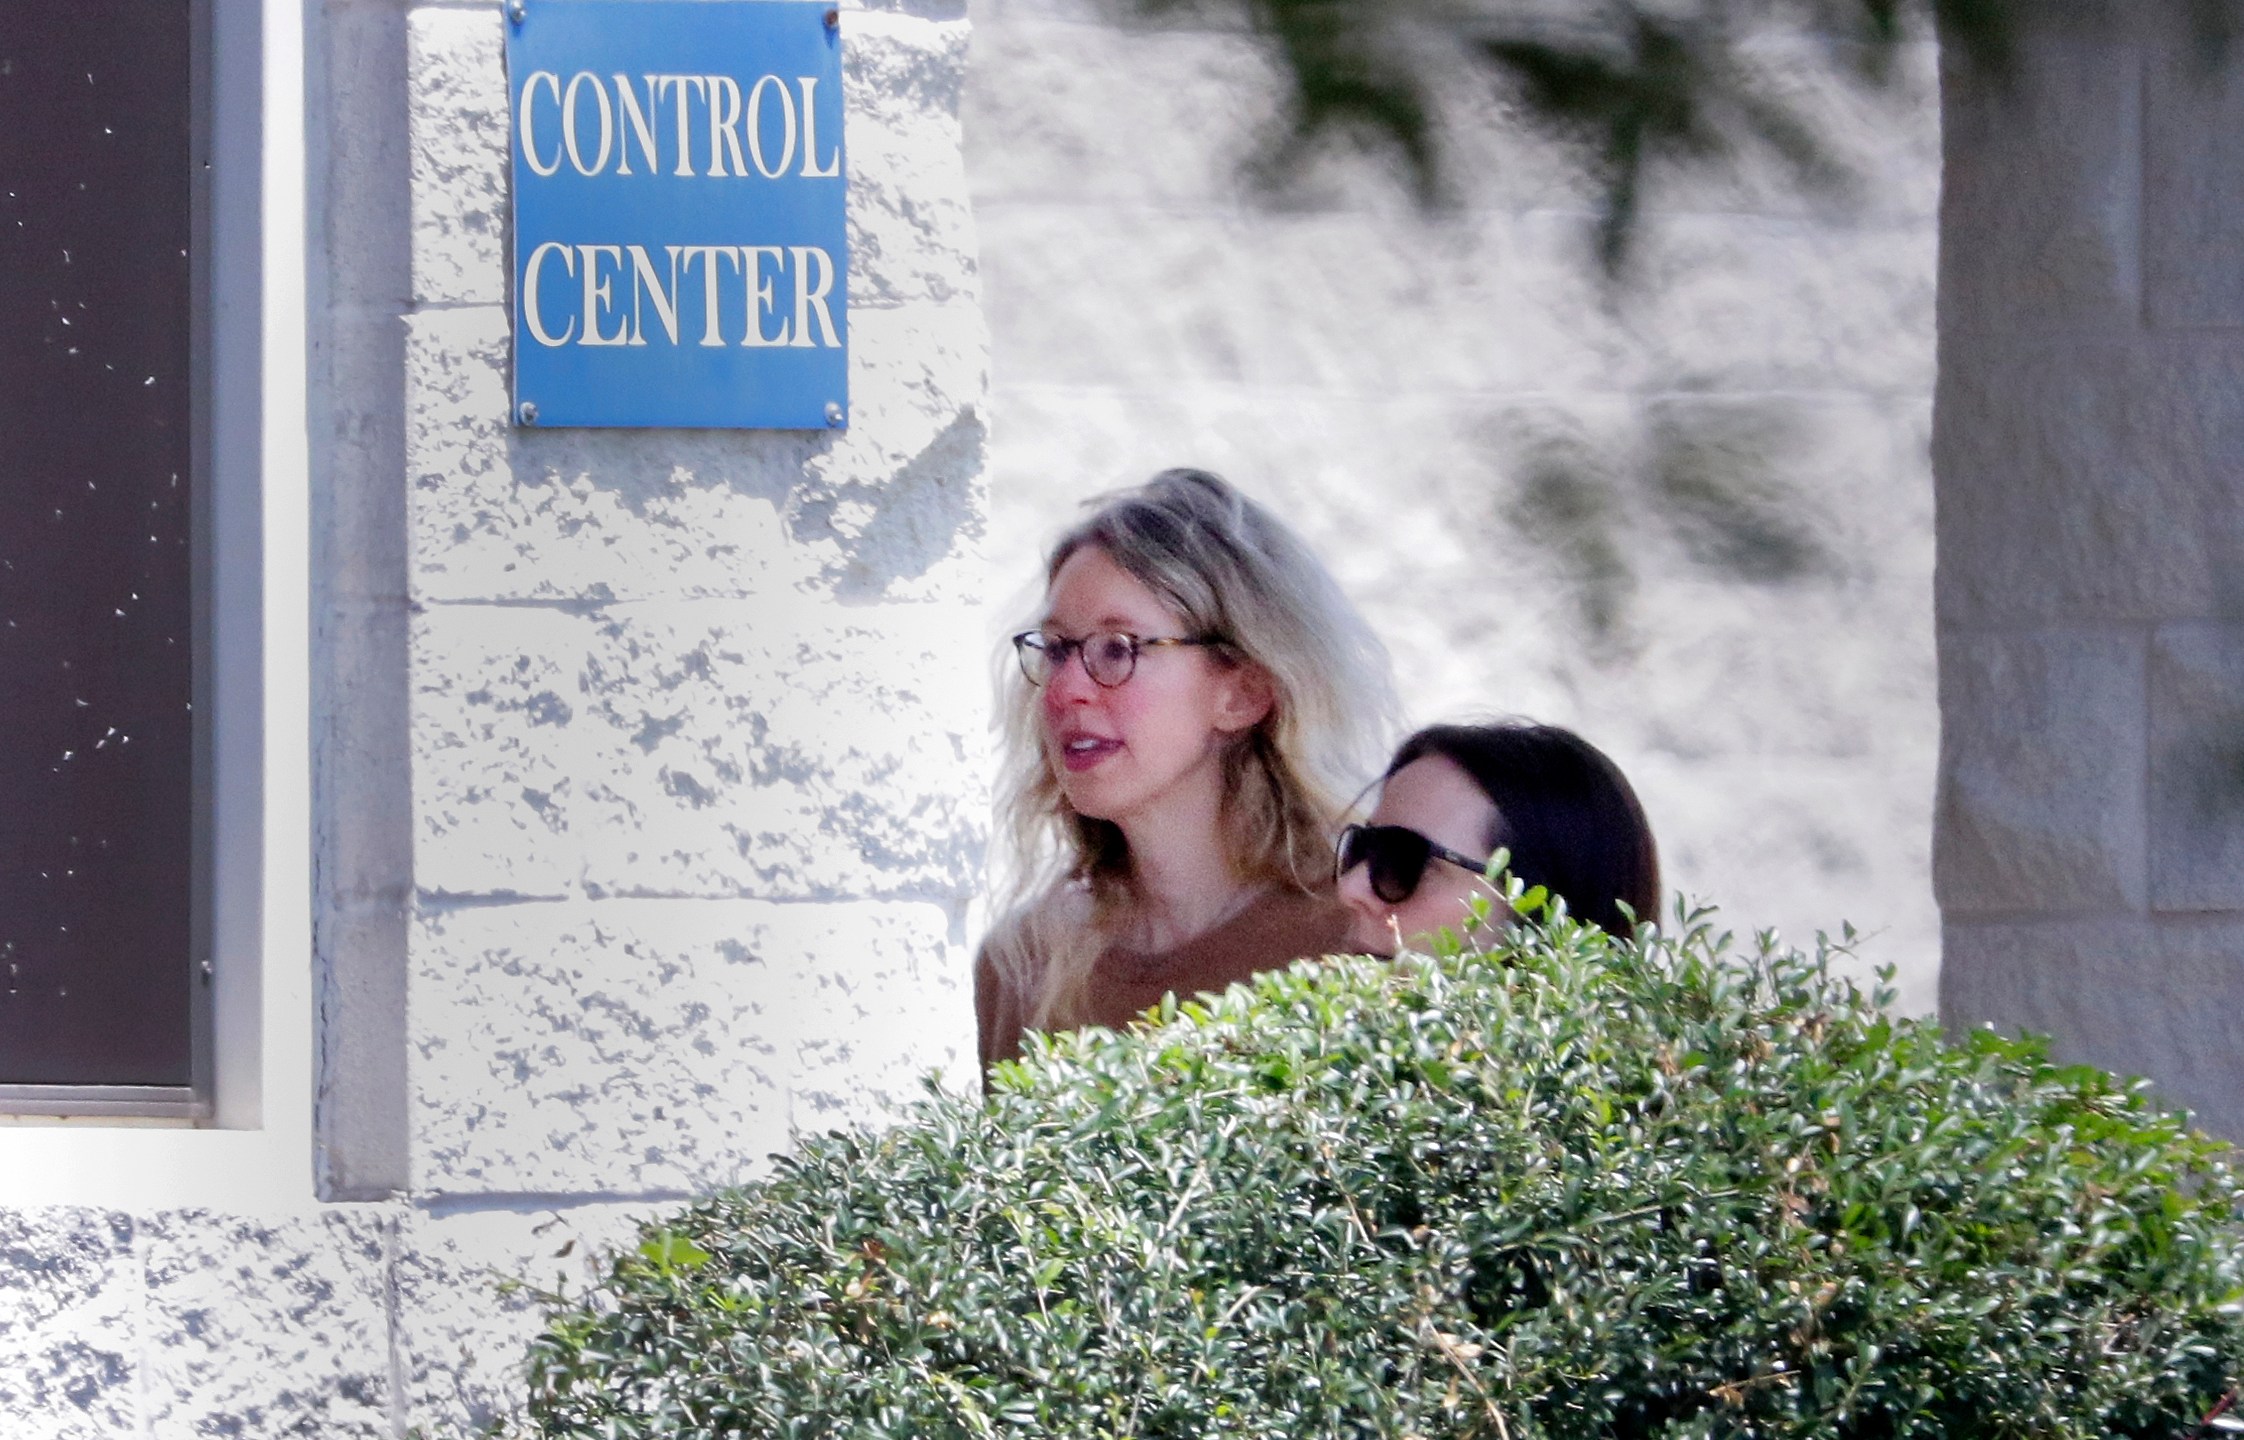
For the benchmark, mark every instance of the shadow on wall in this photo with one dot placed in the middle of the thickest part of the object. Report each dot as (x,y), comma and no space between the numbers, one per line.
(1711,477)
(585,516)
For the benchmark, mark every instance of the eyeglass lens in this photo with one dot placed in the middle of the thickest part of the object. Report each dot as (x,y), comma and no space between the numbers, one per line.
(1109,659)
(1397,857)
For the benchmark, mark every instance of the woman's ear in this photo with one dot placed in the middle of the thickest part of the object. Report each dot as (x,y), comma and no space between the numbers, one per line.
(1248,695)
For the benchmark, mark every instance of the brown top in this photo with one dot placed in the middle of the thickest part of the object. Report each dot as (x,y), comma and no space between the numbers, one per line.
(1279,928)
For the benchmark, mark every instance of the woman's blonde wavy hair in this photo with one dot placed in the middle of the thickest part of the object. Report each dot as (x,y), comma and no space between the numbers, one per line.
(1230,569)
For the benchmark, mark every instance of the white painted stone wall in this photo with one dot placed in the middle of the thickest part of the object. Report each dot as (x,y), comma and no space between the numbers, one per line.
(1371,371)
(648,783)
(2090,447)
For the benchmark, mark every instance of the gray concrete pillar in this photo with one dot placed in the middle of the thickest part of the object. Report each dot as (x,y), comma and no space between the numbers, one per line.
(2089,459)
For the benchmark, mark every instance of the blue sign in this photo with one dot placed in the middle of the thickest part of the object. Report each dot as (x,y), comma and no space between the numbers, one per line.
(680,250)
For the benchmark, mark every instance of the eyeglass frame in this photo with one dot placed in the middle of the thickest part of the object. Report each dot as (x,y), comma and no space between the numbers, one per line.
(1057,651)
(1434,851)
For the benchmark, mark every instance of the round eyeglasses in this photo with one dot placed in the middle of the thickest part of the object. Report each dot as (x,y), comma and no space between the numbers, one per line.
(1109,658)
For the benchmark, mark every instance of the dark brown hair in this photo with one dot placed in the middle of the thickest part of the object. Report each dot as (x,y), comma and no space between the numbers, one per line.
(1563,810)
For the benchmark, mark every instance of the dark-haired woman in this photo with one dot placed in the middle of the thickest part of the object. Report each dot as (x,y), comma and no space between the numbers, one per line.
(1455,794)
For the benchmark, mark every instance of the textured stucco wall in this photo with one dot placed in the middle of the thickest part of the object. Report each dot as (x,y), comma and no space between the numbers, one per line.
(2090,448)
(1386,377)
(648,782)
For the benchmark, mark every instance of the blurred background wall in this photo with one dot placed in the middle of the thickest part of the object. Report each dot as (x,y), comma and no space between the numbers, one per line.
(1688,513)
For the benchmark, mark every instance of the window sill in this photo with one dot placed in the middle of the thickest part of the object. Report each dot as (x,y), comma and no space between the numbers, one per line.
(109,1104)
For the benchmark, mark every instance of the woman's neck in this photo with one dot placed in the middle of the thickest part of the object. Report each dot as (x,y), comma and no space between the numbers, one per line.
(1181,888)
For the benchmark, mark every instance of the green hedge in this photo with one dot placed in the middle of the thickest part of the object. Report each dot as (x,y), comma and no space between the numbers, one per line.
(1560,1187)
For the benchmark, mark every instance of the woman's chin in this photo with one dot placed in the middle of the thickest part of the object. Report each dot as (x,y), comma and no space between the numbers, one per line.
(1086,801)
(1369,938)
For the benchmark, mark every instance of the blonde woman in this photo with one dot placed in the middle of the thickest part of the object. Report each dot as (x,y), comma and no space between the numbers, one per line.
(1189,716)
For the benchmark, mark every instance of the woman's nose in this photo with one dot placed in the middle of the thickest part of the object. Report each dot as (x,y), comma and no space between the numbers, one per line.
(1371,921)
(1070,683)
(1356,894)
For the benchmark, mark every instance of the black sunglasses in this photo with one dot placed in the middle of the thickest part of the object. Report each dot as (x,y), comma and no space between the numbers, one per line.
(1398,857)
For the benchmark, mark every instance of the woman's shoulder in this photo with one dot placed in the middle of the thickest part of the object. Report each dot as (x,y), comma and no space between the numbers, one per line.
(1011,968)
(1025,935)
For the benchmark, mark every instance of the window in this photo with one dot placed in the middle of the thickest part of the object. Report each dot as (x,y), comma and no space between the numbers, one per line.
(103,1000)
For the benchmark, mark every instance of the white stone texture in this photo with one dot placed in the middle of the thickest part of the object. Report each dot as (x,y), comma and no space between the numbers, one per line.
(1131,94)
(911,230)
(268,1326)
(861,1036)
(1884,161)
(189,1324)
(488,787)
(1744,305)
(789,747)
(459,133)
(1385,377)
(890,509)
(471,1290)
(69,1335)
(658,1046)
(1125,87)
(357,1321)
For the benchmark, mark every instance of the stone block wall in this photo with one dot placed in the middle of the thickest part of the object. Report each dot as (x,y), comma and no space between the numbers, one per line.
(648,781)
(2089,444)
(1726,580)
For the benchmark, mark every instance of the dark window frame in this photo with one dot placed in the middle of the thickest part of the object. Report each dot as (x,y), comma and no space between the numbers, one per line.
(195,1101)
